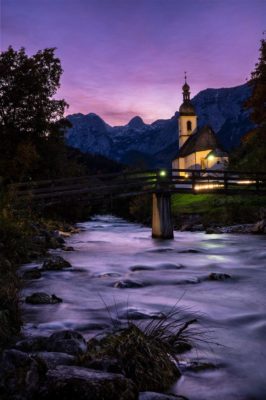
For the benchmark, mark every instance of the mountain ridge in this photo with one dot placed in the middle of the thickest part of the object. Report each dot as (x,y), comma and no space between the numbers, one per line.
(220,108)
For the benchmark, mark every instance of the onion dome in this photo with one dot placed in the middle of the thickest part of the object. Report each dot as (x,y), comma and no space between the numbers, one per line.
(187,108)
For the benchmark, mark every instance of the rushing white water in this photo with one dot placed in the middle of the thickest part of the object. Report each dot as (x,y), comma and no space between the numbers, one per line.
(109,250)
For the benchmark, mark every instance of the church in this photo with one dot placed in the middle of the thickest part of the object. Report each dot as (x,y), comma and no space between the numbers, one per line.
(198,147)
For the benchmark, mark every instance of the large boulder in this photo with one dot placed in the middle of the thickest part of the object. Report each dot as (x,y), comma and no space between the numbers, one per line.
(42,298)
(20,375)
(55,263)
(71,382)
(67,341)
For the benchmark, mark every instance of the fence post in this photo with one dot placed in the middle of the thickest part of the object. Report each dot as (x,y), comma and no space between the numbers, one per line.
(193,180)
(225,181)
(257,183)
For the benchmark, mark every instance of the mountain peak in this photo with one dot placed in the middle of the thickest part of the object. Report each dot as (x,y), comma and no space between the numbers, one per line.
(136,122)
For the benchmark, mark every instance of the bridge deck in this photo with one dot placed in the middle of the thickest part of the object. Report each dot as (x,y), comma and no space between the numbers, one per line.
(93,187)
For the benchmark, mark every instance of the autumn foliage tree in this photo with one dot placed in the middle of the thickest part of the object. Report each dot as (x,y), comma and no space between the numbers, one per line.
(31,120)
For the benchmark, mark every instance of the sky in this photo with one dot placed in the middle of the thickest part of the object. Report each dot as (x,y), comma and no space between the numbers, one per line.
(123,58)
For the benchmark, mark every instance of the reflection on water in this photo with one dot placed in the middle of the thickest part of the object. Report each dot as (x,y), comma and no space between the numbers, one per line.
(109,251)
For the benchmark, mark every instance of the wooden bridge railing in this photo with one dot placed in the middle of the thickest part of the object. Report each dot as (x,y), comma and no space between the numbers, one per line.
(148,181)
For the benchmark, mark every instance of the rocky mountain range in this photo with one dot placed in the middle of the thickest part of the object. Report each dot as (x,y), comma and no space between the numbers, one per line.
(156,144)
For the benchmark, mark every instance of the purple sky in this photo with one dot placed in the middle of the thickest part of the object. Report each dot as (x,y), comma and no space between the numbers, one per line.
(123,58)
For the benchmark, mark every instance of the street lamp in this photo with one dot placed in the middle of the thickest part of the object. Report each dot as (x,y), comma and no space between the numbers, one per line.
(210,158)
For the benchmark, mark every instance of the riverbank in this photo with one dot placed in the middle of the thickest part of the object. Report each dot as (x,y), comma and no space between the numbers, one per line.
(22,239)
(220,278)
(203,212)
(210,211)
(111,367)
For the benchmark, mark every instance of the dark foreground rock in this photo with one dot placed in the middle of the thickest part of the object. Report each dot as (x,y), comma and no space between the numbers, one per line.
(20,375)
(55,263)
(71,382)
(32,344)
(67,341)
(52,359)
(159,396)
(42,298)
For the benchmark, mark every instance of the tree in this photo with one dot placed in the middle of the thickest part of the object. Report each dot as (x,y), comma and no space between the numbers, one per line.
(251,155)
(257,101)
(30,117)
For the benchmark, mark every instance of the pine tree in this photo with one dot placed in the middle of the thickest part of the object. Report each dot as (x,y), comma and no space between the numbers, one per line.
(251,156)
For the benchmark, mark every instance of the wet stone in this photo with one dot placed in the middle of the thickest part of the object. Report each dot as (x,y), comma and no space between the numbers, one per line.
(56,263)
(108,275)
(68,248)
(136,268)
(197,366)
(135,314)
(43,298)
(128,284)
(215,276)
(33,273)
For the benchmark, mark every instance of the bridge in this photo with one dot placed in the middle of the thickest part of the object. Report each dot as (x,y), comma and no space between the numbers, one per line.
(160,183)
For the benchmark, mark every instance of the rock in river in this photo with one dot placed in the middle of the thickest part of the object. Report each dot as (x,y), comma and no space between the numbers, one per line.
(215,276)
(56,263)
(42,298)
(127,283)
(71,382)
(33,273)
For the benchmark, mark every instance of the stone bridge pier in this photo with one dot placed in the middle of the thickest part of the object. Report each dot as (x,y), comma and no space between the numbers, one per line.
(162,225)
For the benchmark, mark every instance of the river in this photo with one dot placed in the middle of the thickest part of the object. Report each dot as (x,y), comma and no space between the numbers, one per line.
(232,312)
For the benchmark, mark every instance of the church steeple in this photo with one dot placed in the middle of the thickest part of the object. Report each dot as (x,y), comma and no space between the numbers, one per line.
(187,116)
(186,90)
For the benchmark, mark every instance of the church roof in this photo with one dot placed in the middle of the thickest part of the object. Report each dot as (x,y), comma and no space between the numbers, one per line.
(203,139)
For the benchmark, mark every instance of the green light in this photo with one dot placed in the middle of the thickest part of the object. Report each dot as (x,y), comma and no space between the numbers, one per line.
(162,173)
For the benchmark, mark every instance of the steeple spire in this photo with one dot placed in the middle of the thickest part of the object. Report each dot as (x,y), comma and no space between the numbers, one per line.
(186,90)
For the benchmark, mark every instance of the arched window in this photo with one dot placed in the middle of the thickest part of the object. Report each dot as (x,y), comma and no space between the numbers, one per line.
(189,126)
